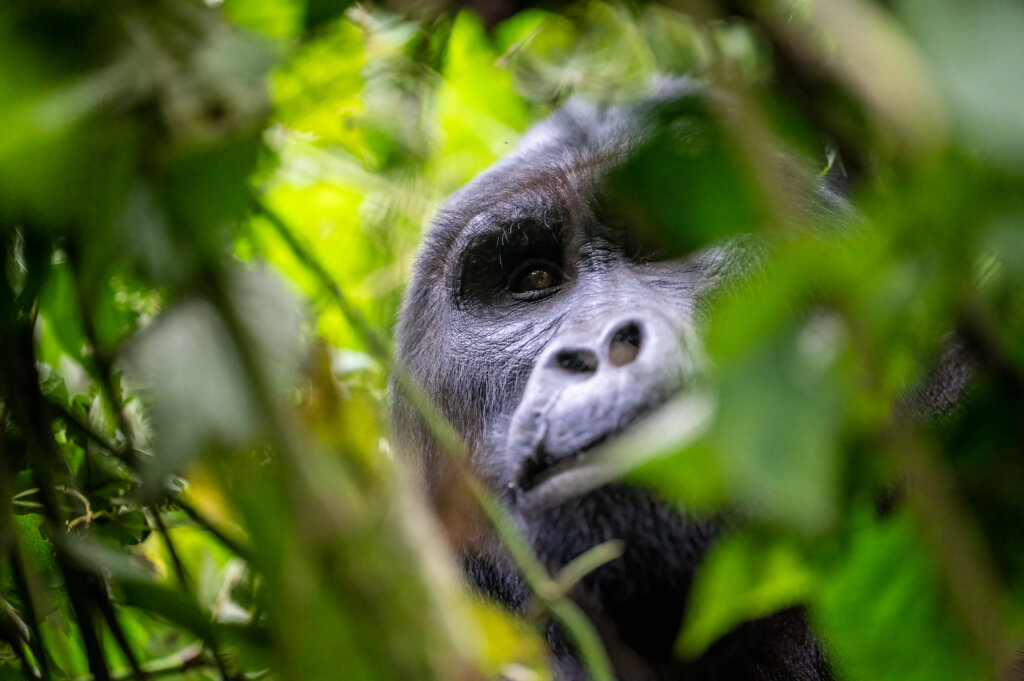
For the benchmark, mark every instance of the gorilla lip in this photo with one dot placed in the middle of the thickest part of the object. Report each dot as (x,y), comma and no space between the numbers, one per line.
(547,479)
(543,466)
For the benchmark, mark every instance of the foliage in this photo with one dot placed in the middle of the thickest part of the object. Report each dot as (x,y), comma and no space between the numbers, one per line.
(207,213)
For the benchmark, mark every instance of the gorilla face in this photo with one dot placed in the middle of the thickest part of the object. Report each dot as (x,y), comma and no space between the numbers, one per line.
(543,327)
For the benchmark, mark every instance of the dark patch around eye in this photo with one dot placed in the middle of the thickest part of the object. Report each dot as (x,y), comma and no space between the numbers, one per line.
(498,264)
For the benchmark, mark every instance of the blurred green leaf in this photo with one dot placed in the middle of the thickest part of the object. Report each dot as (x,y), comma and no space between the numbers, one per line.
(779,422)
(743,579)
(319,12)
(687,162)
(52,384)
(167,603)
(884,609)
(188,365)
(978,57)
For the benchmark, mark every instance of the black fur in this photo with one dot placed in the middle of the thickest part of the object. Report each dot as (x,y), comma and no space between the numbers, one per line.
(516,377)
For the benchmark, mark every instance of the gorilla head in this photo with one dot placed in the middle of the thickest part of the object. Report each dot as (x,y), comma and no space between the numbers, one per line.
(542,326)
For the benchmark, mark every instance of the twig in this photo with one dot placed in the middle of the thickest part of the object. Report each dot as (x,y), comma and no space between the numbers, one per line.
(218,534)
(585,563)
(107,609)
(183,578)
(20,388)
(69,418)
(86,517)
(15,632)
(81,603)
(34,639)
(377,345)
(438,426)
(103,364)
(179,567)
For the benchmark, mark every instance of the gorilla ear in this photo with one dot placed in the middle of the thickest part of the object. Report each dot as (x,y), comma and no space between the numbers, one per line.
(683,188)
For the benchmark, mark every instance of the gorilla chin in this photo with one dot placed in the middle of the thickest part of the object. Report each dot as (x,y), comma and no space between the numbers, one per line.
(638,599)
(543,327)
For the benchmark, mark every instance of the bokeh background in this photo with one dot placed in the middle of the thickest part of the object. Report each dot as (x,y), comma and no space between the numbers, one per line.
(208,212)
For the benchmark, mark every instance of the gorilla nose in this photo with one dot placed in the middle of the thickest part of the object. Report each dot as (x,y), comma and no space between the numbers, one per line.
(624,345)
(596,378)
(576,361)
(620,345)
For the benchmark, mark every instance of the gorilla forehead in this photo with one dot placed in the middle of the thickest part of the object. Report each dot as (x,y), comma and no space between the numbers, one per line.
(507,194)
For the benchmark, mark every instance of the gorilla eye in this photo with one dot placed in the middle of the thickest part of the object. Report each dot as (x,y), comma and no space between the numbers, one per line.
(534,277)
(512,263)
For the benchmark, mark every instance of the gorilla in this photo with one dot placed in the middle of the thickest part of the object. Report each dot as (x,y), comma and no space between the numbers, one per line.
(543,324)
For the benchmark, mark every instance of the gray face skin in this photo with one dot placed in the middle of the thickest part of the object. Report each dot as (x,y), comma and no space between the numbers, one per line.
(542,328)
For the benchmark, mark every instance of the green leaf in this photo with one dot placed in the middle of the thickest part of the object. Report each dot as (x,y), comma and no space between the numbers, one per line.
(191,374)
(93,556)
(778,426)
(276,18)
(52,384)
(206,188)
(977,55)
(687,162)
(743,578)
(320,12)
(885,612)
(167,603)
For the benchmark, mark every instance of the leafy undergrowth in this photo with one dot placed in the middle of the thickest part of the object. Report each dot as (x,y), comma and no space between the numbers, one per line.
(207,214)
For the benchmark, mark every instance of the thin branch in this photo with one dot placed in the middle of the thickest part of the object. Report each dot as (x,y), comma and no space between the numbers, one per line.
(375,342)
(107,609)
(35,641)
(60,411)
(20,387)
(102,362)
(202,521)
(588,561)
(15,632)
(90,433)
(81,604)
(183,578)
(438,426)
(179,567)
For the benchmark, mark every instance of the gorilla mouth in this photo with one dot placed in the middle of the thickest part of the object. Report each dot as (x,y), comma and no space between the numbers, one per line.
(548,478)
(543,466)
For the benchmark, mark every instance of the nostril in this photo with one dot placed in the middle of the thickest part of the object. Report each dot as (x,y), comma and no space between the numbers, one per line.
(577,361)
(625,344)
